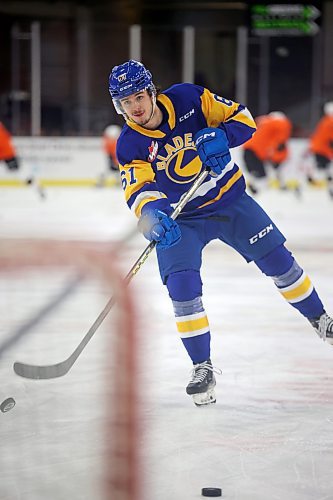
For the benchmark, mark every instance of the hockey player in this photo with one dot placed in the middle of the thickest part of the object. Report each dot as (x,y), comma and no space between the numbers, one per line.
(269,145)
(110,136)
(7,149)
(321,146)
(168,138)
(109,144)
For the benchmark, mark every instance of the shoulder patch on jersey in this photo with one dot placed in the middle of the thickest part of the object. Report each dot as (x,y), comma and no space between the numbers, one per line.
(153,149)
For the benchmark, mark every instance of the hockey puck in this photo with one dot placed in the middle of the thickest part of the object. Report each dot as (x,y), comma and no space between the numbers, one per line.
(211,492)
(7,405)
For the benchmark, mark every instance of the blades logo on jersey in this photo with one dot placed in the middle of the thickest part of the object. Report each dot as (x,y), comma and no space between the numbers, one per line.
(181,163)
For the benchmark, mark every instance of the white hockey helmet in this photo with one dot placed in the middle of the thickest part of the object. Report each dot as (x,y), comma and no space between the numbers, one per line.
(112,131)
(328,108)
(277,114)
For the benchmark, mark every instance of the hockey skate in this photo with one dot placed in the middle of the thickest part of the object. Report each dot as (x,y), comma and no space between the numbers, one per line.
(324,327)
(202,383)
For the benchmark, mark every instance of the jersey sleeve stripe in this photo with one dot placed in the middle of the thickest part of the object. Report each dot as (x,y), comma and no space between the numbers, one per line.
(244,117)
(144,198)
(149,186)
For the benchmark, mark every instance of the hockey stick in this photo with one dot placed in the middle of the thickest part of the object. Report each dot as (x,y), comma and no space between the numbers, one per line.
(60,369)
(18,333)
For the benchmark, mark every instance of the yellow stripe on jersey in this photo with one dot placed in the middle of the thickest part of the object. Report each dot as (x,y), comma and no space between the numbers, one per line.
(157,134)
(300,290)
(225,188)
(143,174)
(144,198)
(167,103)
(216,111)
(245,117)
(193,325)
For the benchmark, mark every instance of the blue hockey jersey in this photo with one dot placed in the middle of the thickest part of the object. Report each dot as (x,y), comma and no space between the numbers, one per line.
(158,166)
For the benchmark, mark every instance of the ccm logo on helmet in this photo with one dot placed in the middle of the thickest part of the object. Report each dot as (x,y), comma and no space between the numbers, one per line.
(204,136)
(261,234)
(125,87)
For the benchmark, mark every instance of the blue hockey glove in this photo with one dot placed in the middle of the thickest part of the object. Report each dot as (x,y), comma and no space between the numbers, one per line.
(213,148)
(157,226)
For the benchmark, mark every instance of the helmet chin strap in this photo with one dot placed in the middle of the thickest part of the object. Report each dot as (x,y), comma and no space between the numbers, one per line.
(153,99)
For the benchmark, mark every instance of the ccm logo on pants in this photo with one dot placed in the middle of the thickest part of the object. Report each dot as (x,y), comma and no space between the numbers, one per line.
(261,234)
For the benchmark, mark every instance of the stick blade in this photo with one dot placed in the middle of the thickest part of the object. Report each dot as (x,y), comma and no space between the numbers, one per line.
(36,372)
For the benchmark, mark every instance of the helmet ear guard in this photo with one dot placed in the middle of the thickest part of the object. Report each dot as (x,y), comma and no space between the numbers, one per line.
(127,79)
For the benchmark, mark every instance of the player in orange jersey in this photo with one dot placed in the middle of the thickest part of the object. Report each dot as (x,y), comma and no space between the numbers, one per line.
(7,149)
(110,137)
(321,146)
(111,134)
(268,145)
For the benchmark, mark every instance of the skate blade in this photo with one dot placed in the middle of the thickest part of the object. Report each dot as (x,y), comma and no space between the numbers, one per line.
(325,338)
(204,398)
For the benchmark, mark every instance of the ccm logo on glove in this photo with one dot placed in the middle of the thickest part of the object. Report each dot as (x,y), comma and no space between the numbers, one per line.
(204,136)
(213,149)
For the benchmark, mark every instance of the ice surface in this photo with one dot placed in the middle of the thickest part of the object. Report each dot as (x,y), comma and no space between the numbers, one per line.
(270,435)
